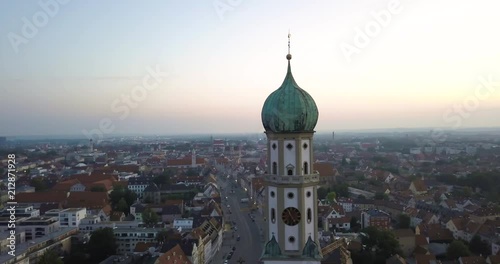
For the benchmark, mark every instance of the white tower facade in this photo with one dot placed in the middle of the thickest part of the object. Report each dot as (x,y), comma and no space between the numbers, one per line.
(289,116)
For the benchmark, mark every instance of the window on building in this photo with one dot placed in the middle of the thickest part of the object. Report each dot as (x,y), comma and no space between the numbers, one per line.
(275,168)
(306,168)
(290,172)
(273,215)
(309,215)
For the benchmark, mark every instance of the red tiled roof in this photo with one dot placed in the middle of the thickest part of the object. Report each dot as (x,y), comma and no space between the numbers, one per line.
(65,186)
(41,197)
(421,240)
(494,259)
(143,246)
(424,259)
(473,260)
(419,185)
(324,169)
(107,184)
(90,200)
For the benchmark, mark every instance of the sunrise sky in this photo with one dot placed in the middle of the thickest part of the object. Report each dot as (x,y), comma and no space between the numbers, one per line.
(225,57)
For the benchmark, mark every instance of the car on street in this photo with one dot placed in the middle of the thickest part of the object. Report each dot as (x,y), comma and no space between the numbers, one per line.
(238,238)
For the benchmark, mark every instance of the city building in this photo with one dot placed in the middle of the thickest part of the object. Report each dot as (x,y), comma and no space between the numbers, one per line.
(289,116)
(138,184)
(70,217)
(376,218)
(127,238)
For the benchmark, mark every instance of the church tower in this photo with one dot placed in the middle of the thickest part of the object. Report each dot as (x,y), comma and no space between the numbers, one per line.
(289,116)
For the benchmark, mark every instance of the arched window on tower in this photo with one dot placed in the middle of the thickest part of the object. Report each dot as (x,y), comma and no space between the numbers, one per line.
(309,215)
(290,172)
(273,215)
(306,168)
(275,168)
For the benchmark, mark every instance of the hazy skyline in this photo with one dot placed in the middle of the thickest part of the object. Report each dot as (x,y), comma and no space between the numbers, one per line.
(426,61)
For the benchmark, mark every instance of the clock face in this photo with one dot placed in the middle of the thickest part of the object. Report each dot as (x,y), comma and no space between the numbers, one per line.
(291,216)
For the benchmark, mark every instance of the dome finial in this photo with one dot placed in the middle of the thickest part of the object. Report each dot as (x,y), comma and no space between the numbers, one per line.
(289,56)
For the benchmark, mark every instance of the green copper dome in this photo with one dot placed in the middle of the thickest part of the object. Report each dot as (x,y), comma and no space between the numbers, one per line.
(289,109)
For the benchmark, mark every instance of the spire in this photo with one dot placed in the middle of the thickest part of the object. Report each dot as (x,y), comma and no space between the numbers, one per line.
(289,56)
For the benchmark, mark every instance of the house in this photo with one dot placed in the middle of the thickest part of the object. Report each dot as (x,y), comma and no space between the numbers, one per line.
(173,256)
(493,259)
(472,260)
(183,224)
(169,213)
(406,239)
(327,173)
(341,223)
(377,218)
(449,204)
(425,259)
(422,243)
(210,235)
(117,216)
(483,214)
(435,233)
(457,227)
(346,203)
(396,259)
(418,187)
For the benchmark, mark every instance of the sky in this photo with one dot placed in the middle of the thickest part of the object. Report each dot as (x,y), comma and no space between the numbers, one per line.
(74,67)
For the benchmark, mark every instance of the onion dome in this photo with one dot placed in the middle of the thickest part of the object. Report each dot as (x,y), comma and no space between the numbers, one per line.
(289,109)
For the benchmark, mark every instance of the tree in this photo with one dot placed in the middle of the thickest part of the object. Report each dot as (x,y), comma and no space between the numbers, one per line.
(192,172)
(354,224)
(381,196)
(457,249)
(50,257)
(119,192)
(479,247)
(322,192)
(149,217)
(382,241)
(162,179)
(342,190)
(404,221)
(162,236)
(39,184)
(330,197)
(122,205)
(102,244)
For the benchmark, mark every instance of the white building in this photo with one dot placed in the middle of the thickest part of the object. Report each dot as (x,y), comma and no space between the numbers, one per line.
(184,224)
(127,238)
(70,217)
(138,184)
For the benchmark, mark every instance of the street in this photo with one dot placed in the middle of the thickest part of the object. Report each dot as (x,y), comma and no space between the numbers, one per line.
(239,218)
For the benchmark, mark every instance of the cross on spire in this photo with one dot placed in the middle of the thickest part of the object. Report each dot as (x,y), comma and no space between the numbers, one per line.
(289,41)
(289,56)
